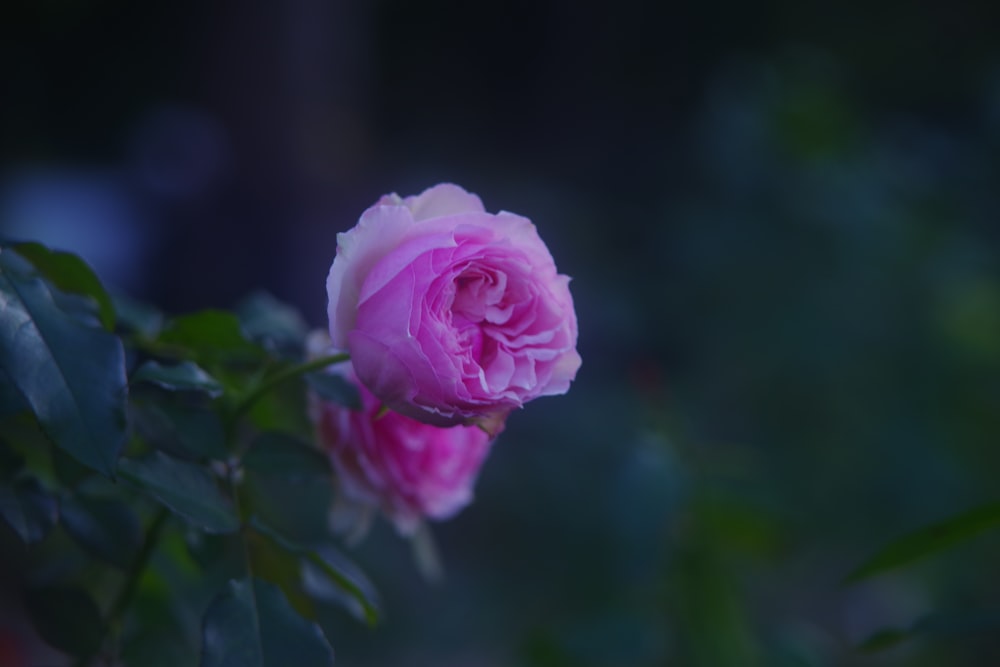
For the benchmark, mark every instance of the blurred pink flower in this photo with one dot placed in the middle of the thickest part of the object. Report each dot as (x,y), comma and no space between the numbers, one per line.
(409,469)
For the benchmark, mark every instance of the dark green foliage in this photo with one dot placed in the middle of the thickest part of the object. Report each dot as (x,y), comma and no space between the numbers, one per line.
(66,618)
(184,376)
(286,636)
(70,274)
(28,509)
(937,625)
(68,471)
(251,624)
(185,429)
(330,576)
(882,640)
(273,325)
(231,632)
(215,402)
(10,461)
(210,337)
(288,484)
(71,375)
(136,317)
(928,540)
(335,388)
(189,490)
(106,527)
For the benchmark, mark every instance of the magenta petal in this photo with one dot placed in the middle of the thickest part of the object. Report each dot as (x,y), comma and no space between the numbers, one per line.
(408,468)
(358,251)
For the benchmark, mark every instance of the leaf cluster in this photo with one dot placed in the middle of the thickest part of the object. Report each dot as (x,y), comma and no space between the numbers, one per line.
(160,476)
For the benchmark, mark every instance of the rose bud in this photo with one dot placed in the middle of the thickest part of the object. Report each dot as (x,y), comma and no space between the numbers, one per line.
(408,469)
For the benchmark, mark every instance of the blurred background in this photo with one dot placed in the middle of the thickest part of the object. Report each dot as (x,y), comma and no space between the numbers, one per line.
(782,224)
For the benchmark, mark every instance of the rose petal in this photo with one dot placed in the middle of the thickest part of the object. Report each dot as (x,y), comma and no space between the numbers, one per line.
(443,199)
(358,250)
(408,468)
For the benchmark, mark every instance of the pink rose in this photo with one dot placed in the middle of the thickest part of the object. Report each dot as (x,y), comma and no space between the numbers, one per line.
(407,468)
(451,315)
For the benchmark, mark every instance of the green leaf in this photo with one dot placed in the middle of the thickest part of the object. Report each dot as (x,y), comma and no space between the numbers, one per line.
(329,575)
(162,627)
(23,433)
(70,274)
(66,618)
(883,639)
(333,387)
(281,454)
(287,638)
(160,641)
(187,489)
(282,410)
(11,400)
(219,557)
(941,623)
(29,509)
(137,316)
(71,375)
(185,376)
(251,624)
(273,324)
(185,431)
(211,336)
(231,629)
(928,540)
(271,563)
(935,624)
(289,485)
(79,308)
(68,472)
(10,461)
(106,528)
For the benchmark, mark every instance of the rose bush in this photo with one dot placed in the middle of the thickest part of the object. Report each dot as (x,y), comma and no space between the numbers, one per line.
(408,469)
(451,315)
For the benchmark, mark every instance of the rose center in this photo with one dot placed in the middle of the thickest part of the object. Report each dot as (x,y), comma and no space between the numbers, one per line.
(479,296)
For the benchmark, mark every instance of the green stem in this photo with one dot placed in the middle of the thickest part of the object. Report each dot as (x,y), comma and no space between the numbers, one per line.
(127,592)
(270,383)
(234,490)
(139,566)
